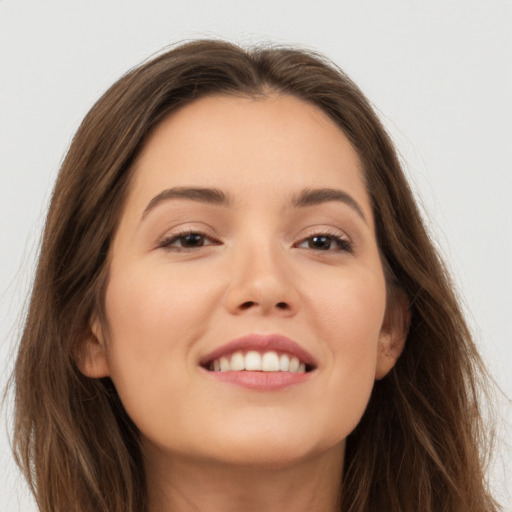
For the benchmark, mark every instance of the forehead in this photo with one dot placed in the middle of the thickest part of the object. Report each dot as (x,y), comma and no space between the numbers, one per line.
(265,147)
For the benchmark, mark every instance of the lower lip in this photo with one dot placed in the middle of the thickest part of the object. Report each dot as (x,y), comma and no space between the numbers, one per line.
(261,381)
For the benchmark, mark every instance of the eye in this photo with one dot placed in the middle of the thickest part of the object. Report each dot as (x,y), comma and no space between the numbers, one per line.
(187,241)
(326,242)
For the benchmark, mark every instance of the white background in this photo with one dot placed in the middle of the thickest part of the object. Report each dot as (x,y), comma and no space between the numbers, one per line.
(439,71)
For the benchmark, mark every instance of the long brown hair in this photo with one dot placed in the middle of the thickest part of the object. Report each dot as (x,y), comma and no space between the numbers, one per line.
(420,443)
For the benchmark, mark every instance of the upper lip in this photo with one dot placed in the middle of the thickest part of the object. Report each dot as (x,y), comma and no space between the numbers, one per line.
(259,342)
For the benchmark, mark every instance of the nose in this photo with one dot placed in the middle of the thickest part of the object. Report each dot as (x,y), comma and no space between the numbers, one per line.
(261,283)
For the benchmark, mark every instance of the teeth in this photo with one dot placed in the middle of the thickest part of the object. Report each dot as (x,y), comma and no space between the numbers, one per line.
(238,361)
(253,361)
(225,365)
(269,361)
(294,364)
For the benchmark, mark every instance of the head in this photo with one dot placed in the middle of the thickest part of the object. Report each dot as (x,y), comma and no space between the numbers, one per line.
(414,431)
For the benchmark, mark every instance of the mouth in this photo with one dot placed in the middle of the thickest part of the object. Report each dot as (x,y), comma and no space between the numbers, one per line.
(258,361)
(260,353)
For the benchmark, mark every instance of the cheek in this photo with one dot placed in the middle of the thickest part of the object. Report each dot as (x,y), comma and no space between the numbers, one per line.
(154,319)
(151,308)
(349,318)
(348,310)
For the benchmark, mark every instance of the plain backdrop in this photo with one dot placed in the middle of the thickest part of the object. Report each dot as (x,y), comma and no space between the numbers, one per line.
(438,71)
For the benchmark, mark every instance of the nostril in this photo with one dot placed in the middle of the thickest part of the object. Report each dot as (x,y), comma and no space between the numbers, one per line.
(250,304)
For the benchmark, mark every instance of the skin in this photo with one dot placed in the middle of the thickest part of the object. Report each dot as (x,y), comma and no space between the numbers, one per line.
(215,446)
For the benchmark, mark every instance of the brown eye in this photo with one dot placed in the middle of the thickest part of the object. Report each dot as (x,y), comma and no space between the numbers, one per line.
(322,242)
(326,242)
(191,240)
(187,241)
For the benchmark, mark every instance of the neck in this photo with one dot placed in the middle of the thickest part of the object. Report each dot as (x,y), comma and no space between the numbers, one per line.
(182,484)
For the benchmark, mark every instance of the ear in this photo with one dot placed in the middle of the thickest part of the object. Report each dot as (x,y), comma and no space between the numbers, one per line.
(92,354)
(393,334)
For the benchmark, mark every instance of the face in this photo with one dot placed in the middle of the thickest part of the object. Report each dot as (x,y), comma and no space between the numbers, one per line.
(247,233)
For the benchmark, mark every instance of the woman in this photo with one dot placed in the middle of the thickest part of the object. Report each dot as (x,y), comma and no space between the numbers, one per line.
(237,306)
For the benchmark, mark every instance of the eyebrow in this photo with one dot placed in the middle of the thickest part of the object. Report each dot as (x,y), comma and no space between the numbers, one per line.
(315,196)
(305,198)
(203,195)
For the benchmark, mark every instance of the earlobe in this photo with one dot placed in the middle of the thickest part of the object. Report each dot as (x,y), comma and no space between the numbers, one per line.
(392,336)
(92,355)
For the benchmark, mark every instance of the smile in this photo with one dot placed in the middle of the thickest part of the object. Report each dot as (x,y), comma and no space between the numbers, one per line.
(260,362)
(267,361)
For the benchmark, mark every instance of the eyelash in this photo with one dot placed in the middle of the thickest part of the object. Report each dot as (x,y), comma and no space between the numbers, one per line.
(342,243)
(166,243)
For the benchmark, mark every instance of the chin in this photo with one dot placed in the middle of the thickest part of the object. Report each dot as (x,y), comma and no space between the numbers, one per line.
(272,448)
